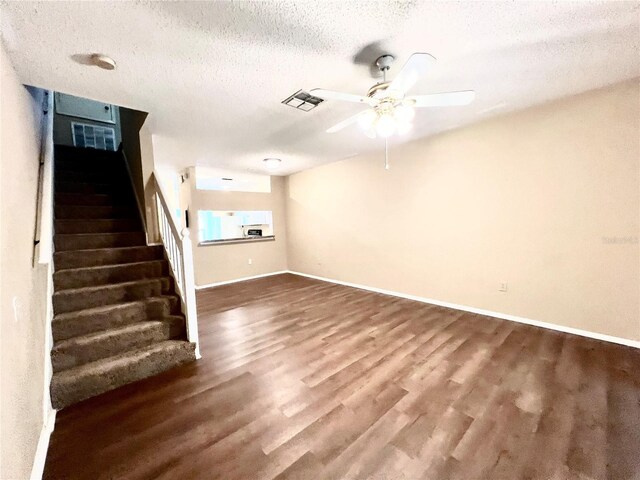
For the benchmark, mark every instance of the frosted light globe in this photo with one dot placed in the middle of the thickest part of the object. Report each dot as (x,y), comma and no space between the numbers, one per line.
(404,114)
(366,119)
(386,125)
(404,127)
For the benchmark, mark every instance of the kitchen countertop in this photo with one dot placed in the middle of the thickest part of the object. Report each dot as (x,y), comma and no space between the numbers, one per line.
(228,241)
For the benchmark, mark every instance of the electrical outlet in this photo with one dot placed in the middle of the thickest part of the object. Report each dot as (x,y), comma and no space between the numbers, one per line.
(503,287)
(250,261)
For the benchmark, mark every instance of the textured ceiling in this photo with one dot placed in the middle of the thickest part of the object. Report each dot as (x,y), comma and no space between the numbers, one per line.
(212,75)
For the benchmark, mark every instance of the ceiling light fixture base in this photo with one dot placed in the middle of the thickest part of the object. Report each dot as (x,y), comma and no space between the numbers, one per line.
(103,61)
(384,62)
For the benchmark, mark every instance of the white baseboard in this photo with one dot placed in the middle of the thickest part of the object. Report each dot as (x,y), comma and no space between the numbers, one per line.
(503,316)
(243,279)
(43,446)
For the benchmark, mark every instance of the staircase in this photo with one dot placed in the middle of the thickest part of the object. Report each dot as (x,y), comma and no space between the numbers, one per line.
(117,316)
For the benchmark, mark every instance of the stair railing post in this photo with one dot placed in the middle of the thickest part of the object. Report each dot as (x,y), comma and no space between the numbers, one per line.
(189,290)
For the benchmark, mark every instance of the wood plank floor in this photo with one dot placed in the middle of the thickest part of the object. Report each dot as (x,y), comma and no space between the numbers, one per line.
(302,379)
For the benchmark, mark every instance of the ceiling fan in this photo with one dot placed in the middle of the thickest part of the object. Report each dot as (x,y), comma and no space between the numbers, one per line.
(391,110)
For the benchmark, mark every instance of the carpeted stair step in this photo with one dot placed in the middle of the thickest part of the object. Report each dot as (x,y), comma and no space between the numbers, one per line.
(92,199)
(94,211)
(87,188)
(91,320)
(88,297)
(76,384)
(84,154)
(117,318)
(103,225)
(106,256)
(106,274)
(77,351)
(88,164)
(90,176)
(86,241)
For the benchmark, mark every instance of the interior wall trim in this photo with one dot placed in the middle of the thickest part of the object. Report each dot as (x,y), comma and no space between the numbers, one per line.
(43,446)
(503,316)
(243,279)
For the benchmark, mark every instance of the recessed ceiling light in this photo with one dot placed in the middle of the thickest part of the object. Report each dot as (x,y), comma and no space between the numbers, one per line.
(272,163)
(103,61)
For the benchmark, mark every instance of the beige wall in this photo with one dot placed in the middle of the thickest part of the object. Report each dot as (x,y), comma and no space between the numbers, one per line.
(547,200)
(218,263)
(131,122)
(23,288)
(147,164)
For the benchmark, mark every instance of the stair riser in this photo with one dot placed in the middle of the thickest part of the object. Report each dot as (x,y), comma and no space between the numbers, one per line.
(108,274)
(68,390)
(81,259)
(83,324)
(88,188)
(73,174)
(76,354)
(108,167)
(115,225)
(95,199)
(108,240)
(94,212)
(65,301)
(85,156)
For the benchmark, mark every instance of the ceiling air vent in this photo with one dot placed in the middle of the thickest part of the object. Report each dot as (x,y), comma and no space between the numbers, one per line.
(302,101)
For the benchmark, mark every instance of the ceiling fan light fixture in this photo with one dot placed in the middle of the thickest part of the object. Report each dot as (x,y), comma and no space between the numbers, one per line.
(272,163)
(371,132)
(386,125)
(367,119)
(390,110)
(404,114)
(404,128)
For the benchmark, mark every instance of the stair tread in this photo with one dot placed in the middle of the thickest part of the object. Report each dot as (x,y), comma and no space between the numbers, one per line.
(104,249)
(91,199)
(85,220)
(67,259)
(111,265)
(64,182)
(112,332)
(105,308)
(97,234)
(68,291)
(105,364)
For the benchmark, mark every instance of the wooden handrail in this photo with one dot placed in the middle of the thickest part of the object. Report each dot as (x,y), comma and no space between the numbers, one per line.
(44,221)
(162,197)
(177,245)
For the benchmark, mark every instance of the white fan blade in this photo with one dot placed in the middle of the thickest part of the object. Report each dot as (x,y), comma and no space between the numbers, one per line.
(345,123)
(441,99)
(417,65)
(345,97)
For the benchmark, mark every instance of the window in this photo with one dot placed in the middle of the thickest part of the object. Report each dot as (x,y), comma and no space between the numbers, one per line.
(215,225)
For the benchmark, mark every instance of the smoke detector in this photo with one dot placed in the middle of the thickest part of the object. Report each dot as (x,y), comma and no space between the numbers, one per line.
(103,61)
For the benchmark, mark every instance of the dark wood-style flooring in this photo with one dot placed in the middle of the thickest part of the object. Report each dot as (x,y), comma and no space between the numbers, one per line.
(303,379)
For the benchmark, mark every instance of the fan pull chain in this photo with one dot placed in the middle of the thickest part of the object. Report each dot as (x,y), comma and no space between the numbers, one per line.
(386,154)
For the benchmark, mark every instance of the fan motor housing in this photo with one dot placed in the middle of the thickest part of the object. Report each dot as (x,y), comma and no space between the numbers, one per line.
(378,87)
